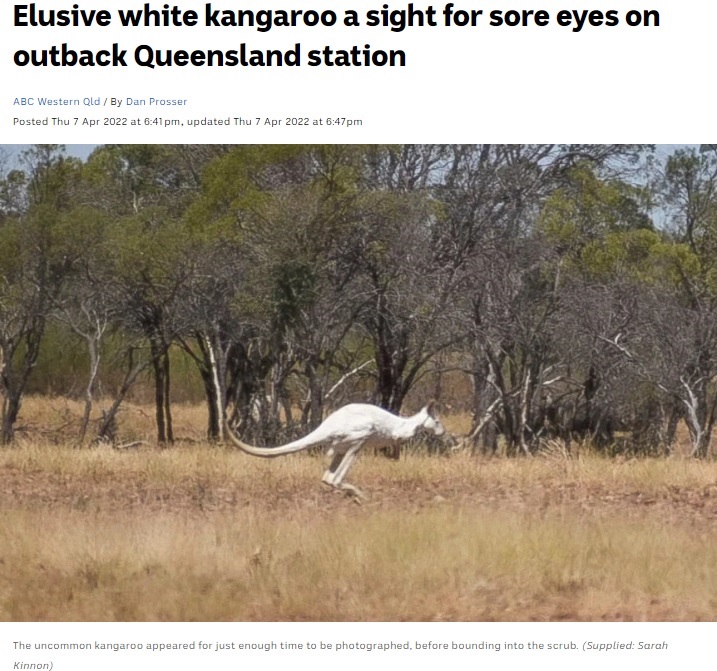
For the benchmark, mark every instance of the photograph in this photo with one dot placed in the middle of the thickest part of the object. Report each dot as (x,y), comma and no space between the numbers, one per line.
(368,383)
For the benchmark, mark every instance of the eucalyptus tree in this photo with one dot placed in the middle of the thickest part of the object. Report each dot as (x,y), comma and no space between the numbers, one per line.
(281,214)
(513,272)
(690,199)
(601,232)
(90,303)
(642,318)
(145,191)
(310,297)
(35,203)
(211,328)
(409,286)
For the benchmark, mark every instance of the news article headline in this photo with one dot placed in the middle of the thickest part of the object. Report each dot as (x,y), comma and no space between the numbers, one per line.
(393,18)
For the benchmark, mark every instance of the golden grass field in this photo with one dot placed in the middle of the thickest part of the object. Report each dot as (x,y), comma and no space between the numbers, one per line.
(203,533)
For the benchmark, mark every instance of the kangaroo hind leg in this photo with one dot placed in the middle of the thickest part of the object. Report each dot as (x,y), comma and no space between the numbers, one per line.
(339,467)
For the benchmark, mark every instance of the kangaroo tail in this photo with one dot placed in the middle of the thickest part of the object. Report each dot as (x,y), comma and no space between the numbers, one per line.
(266,452)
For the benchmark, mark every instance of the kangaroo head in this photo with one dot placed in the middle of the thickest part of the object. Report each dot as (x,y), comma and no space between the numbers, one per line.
(431,422)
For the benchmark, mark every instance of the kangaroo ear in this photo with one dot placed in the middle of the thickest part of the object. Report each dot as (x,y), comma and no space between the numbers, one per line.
(431,408)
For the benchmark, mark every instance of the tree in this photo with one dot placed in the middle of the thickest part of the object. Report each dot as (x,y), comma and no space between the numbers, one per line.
(282,302)
(88,302)
(513,272)
(690,197)
(146,189)
(32,269)
(409,286)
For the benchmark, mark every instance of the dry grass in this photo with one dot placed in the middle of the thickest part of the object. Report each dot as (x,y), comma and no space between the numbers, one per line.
(203,533)
(442,564)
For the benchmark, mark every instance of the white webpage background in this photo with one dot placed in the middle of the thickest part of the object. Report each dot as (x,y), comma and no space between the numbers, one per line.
(460,84)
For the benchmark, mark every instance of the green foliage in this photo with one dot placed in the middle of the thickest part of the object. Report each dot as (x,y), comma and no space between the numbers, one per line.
(293,291)
(691,184)
(236,183)
(643,256)
(297,263)
(587,208)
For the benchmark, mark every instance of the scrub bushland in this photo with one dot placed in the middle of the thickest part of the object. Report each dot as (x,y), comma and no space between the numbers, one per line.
(200,532)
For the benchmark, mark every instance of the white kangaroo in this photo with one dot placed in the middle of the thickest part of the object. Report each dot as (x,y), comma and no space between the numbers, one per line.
(347,431)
